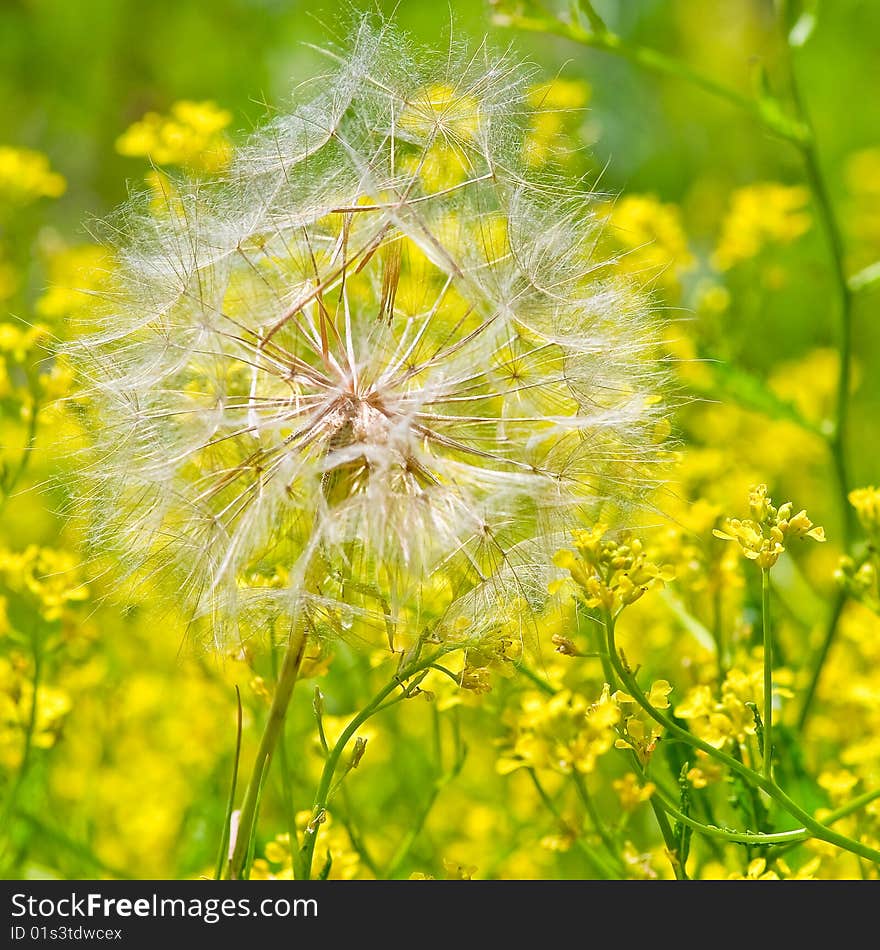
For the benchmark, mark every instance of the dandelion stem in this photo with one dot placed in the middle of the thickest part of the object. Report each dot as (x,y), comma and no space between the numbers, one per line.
(767,747)
(272,731)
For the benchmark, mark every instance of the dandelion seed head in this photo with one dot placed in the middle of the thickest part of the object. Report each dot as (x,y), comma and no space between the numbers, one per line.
(377,369)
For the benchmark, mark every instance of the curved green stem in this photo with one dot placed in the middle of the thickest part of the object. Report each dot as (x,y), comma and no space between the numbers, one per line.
(325,784)
(817,829)
(655,61)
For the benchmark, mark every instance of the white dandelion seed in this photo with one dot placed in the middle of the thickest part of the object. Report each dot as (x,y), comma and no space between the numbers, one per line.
(381,362)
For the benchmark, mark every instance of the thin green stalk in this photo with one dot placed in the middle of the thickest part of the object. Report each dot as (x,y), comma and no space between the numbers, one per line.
(303,864)
(844,293)
(655,61)
(595,818)
(28,743)
(756,778)
(819,661)
(597,862)
(272,731)
(767,747)
(832,817)
(8,486)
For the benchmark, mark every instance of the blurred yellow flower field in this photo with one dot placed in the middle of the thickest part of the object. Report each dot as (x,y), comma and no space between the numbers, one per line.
(480,486)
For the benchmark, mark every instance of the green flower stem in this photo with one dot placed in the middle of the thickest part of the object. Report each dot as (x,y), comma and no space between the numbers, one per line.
(817,829)
(303,863)
(831,818)
(9,806)
(272,732)
(665,804)
(821,657)
(767,747)
(27,452)
(597,862)
(441,780)
(844,293)
(593,812)
(657,62)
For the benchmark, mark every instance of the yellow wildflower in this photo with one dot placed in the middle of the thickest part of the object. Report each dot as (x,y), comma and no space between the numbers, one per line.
(866,502)
(75,274)
(651,239)
(631,792)
(761,214)
(26,175)
(191,136)
(610,574)
(761,537)
(554,103)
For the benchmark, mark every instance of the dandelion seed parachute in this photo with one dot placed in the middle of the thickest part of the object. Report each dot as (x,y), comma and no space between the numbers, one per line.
(374,372)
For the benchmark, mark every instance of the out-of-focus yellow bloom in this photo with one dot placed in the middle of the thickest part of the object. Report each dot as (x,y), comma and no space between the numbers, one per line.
(756,871)
(190,136)
(838,783)
(810,383)
(631,791)
(444,110)
(555,103)
(563,732)
(23,715)
(758,215)
(75,274)
(26,175)
(52,577)
(651,239)
(9,282)
(862,174)
(866,502)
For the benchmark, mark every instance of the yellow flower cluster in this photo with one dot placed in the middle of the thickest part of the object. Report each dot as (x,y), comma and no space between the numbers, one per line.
(860,575)
(650,239)
(866,502)
(563,733)
(728,717)
(761,214)
(610,574)
(26,175)
(52,578)
(190,136)
(762,537)
(75,274)
(26,719)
